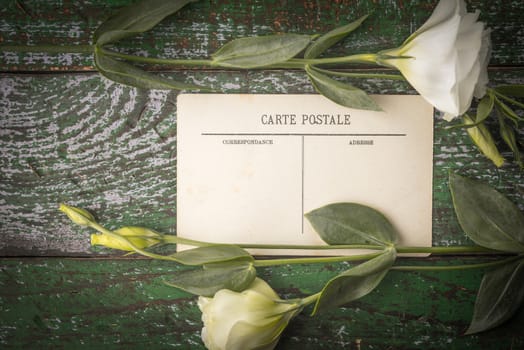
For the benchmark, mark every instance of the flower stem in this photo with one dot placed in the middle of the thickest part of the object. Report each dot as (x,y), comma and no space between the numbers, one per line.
(310,299)
(310,260)
(360,75)
(171,239)
(293,63)
(405,250)
(154,60)
(48,48)
(456,267)
(446,250)
(358,58)
(508,99)
(310,247)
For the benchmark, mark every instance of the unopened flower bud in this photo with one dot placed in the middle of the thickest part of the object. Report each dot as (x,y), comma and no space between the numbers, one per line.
(140,237)
(77,215)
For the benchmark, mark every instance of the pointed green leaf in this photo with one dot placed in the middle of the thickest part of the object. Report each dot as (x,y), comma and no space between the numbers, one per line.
(260,51)
(484,108)
(127,74)
(501,293)
(352,223)
(508,135)
(212,254)
(355,282)
(331,38)
(341,93)
(483,140)
(212,278)
(486,216)
(511,90)
(508,112)
(136,18)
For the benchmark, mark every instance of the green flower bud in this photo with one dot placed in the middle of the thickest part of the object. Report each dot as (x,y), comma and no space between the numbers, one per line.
(140,237)
(252,319)
(78,216)
(484,141)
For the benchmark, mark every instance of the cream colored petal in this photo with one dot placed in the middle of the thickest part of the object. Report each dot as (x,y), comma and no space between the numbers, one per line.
(247,336)
(466,88)
(203,302)
(263,288)
(449,117)
(225,309)
(444,10)
(469,43)
(432,71)
(484,57)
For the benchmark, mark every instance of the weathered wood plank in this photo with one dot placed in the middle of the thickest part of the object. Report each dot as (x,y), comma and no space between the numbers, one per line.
(202,27)
(109,304)
(112,149)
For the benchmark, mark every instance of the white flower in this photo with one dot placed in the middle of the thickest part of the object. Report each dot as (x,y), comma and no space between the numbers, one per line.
(446,59)
(252,319)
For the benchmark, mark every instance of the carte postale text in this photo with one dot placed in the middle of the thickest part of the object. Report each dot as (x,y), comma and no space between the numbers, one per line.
(305,119)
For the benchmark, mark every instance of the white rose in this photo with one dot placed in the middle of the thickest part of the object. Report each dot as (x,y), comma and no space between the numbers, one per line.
(446,59)
(252,319)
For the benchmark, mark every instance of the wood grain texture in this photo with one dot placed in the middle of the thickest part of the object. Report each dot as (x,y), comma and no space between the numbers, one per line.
(124,304)
(201,28)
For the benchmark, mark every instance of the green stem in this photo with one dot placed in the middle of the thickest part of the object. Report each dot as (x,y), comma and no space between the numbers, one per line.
(400,249)
(310,247)
(294,63)
(455,267)
(154,60)
(315,260)
(358,58)
(510,100)
(171,239)
(360,75)
(49,48)
(310,299)
(446,250)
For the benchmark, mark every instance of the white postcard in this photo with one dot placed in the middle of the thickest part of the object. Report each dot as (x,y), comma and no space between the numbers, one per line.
(250,166)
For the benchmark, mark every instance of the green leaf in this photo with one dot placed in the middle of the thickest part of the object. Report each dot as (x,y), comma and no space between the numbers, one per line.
(341,93)
(212,278)
(211,254)
(331,38)
(127,74)
(508,135)
(486,216)
(508,112)
(484,108)
(136,18)
(511,90)
(260,51)
(500,294)
(483,140)
(355,282)
(352,223)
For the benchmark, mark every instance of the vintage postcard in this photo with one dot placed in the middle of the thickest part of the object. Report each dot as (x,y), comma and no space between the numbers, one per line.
(250,166)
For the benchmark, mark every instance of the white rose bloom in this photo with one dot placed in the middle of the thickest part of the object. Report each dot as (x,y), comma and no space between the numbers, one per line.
(446,59)
(252,319)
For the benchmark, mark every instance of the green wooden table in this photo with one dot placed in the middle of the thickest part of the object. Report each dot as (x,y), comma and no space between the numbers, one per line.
(69,135)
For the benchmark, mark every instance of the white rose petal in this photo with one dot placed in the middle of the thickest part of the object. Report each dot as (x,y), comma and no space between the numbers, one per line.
(446,59)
